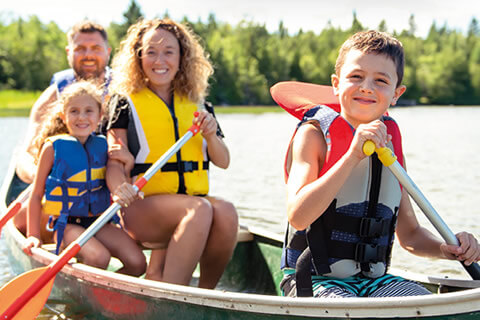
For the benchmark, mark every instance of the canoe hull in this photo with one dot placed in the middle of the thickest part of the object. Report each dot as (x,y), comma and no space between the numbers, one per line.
(248,290)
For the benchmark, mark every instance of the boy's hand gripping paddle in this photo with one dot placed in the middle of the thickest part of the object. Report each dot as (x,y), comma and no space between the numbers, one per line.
(389,160)
(24,297)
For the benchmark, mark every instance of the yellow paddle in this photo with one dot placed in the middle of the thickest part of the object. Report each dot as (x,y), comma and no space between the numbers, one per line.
(389,160)
(23,297)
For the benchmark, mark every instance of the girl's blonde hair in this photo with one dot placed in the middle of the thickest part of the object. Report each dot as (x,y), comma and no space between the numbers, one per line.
(53,123)
(191,80)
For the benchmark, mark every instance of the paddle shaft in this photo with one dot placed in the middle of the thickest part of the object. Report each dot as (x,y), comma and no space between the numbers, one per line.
(15,206)
(388,159)
(75,246)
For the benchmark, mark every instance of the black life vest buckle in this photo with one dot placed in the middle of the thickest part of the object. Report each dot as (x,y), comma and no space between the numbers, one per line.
(368,252)
(374,227)
(188,166)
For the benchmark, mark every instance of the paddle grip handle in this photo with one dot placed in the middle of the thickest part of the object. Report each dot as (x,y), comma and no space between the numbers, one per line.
(385,155)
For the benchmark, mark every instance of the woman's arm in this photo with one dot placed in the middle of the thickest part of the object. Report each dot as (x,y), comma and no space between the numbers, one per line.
(216,147)
(118,173)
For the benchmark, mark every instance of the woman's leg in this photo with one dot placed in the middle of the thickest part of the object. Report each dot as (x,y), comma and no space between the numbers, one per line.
(182,221)
(92,253)
(121,246)
(220,244)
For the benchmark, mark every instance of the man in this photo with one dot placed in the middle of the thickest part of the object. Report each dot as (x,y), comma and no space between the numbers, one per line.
(88,53)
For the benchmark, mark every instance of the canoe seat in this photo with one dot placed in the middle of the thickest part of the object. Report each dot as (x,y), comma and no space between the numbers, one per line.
(50,247)
(244,235)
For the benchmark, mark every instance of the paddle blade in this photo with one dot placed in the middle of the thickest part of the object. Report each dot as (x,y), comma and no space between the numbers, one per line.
(13,289)
(298,97)
(11,211)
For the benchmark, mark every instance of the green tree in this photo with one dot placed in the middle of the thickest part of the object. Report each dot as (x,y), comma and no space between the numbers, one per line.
(356,25)
(383,26)
(474,71)
(116,31)
(412,26)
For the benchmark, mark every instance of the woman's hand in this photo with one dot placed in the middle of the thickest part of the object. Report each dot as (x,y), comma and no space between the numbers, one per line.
(120,153)
(468,251)
(207,123)
(29,243)
(125,194)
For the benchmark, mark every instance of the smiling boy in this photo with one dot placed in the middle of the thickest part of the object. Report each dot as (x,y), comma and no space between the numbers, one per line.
(344,208)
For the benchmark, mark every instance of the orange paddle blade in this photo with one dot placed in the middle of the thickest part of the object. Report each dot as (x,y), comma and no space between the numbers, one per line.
(15,206)
(13,289)
(298,97)
(10,213)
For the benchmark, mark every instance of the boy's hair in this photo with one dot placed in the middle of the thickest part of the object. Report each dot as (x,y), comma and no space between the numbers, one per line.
(53,123)
(374,42)
(86,27)
(195,68)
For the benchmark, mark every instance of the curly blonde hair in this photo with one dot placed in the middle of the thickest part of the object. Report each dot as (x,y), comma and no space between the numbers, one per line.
(53,123)
(191,80)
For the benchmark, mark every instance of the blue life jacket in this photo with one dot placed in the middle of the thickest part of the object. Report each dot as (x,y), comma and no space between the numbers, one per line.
(355,234)
(63,78)
(76,184)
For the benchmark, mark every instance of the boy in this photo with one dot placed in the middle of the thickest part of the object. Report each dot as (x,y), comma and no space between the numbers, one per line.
(343,208)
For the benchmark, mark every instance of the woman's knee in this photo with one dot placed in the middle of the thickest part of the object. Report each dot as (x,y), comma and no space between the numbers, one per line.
(225,216)
(202,210)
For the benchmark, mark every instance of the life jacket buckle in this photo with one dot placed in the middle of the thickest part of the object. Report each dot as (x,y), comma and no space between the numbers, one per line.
(374,227)
(188,166)
(367,252)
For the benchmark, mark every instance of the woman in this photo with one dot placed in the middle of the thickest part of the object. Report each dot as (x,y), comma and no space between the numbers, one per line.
(161,76)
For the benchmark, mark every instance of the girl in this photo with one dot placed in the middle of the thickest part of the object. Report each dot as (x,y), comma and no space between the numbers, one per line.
(70,183)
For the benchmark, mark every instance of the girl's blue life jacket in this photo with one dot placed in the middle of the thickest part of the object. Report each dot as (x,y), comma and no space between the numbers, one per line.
(76,184)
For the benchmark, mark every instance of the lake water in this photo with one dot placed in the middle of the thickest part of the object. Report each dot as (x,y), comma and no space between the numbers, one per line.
(440,146)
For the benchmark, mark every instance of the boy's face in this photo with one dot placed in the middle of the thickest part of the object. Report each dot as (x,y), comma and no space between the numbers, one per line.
(366,86)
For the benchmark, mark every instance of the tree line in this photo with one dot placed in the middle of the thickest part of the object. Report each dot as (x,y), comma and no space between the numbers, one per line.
(442,68)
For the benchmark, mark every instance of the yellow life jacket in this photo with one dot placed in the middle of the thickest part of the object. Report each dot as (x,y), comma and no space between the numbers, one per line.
(155,129)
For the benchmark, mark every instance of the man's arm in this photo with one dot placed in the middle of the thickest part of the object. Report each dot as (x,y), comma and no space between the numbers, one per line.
(26,167)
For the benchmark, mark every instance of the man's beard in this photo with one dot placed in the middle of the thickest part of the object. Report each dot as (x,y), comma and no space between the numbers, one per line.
(84,75)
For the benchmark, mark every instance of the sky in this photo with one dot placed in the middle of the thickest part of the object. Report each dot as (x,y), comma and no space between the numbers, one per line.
(295,14)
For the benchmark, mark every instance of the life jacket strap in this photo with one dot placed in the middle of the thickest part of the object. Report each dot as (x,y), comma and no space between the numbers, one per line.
(364,227)
(303,275)
(373,200)
(60,225)
(183,166)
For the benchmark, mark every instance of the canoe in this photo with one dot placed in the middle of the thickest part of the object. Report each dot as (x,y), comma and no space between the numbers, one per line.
(248,289)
